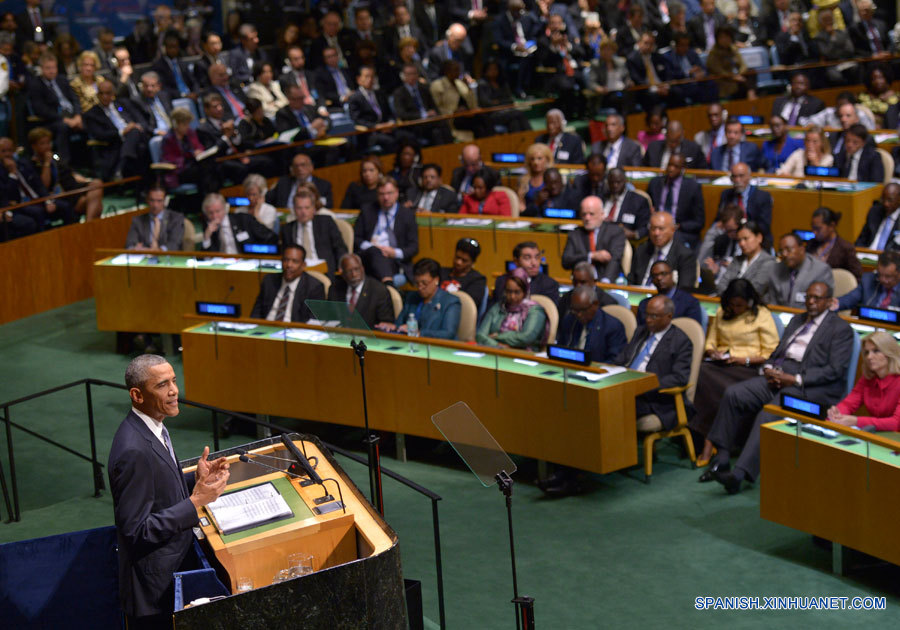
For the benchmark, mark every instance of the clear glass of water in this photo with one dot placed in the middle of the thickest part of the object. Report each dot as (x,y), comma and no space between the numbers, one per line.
(282,576)
(300,564)
(244,584)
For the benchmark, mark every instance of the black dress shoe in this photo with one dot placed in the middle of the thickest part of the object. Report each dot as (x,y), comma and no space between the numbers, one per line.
(710,473)
(563,489)
(732,484)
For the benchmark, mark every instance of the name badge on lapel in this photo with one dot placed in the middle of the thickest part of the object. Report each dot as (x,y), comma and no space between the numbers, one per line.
(242,236)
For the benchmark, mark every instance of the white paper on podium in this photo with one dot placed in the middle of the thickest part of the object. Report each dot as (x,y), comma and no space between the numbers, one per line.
(246,508)
(127,259)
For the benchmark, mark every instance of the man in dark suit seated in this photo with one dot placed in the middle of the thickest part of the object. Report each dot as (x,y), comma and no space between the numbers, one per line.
(554,194)
(659,151)
(796,270)
(702,27)
(627,209)
(756,203)
(282,297)
(217,131)
(875,288)
(21,221)
(663,244)
(386,236)
(582,275)
(298,75)
(362,293)
(432,18)
(471,164)
(648,67)
(881,231)
(593,181)
(527,255)
(512,30)
(211,46)
(455,45)
(795,46)
(219,83)
(681,197)
(595,241)
(566,147)
(433,197)
(228,233)
(174,74)
(333,83)
(858,160)
(869,35)
(317,233)
(618,149)
(369,108)
(159,228)
(404,27)
(798,105)
(412,101)
(810,362)
(155,509)
(662,277)
(335,35)
(735,149)
(153,106)
(245,56)
(587,327)
(115,123)
(54,102)
(282,195)
(32,25)
(307,120)
(685,63)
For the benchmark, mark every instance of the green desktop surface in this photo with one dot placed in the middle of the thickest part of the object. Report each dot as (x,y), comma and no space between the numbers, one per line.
(292,498)
(876,452)
(434,353)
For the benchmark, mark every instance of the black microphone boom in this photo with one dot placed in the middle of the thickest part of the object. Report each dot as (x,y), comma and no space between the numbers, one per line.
(301,458)
(280,459)
(244,458)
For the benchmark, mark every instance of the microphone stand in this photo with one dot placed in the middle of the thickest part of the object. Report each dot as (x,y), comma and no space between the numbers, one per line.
(524,605)
(371,440)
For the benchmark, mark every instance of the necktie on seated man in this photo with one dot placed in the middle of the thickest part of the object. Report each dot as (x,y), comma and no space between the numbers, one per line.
(644,353)
(157,225)
(886,229)
(281,309)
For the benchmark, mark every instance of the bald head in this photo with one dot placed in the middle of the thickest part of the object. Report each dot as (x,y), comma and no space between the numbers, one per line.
(662,228)
(592,212)
(456,35)
(740,176)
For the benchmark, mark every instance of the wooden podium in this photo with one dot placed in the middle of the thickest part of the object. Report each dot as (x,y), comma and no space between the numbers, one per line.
(356,579)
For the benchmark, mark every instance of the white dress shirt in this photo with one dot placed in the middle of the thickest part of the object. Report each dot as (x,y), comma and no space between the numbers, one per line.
(155,426)
(285,286)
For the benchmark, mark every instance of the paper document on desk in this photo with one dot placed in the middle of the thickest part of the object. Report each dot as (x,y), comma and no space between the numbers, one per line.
(568,227)
(244,265)
(885,137)
(611,370)
(127,259)
(725,180)
(469,222)
(513,225)
(287,136)
(641,174)
(470,355)
(346,216)
(248,508)
(217,260)
(301,334)
(235,326)
(205,154)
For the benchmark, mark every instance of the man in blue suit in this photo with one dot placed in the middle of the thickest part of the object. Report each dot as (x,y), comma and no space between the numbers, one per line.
(154,509)
(587,327)
(876,288)
(686,305)
(756,203)
(735,149)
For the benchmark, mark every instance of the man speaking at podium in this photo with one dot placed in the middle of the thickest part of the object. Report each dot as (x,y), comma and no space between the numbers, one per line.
(154,510)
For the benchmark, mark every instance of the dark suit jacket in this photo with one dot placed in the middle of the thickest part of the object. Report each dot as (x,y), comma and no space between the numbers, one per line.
(611,238)
(329,244)
(630,153)
(749,154)
(689,211)
(285,120)
(171,232)
(675,62)
(362,113)
(25,30)
(459,174)
(426,28)
(327,87)
(791,52)
(671,362)
(374,303)
(565,301)
(201,71)
(237,64)
(866,293)
(693,154)
(100,127)
(859,35)
(444,201)
(405,230)
(346,40)
(405,105)
(392,38)
(308,288)
(634,214)
(167,76)
(44,102)
(605,336)
(686,305)
(565,199)
(141,107)
(870,169)
(581,187)
(809,105)
(569,150)
(541,284)
(241,222)
(870,230)
(682,259)
(440,52)
(697,32)
(842,255)
(154,516)
(504,33)
(759,207)
(278,196)
(638,73)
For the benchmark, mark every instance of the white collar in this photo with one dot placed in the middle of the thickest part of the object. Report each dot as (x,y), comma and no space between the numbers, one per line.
(155,426)
(292,284)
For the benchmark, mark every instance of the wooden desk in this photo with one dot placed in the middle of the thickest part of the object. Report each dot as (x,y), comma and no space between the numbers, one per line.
(554,417)
(844,494)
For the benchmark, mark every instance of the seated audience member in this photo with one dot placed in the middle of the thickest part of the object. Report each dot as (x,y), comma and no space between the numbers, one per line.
(848,115)
(386,235)
(298,75)
(159,228)
(228,233)
(582,274)
(740,339)
(282,297)
(15,189)
(215,131)
(663,278)
(515,321)
(725,59)
(878,96)
(858,160)
(484,199)
(255,190)
(607,79)
(246,56)
(878,391)
(471,163)
(333,83)
(173,73)
(714,137)
(830,248)
(462,276)
(566,148)
(702,26)
(754,264)
(154,105)
(220,83)
(747,29)
(370,108)
(659,151)
(656,122)
(455,45)
(736,149)
(875,288)
(527,255)
(407,168)
(564,55)
(412,101)
(511,31)
(681,197)
(755,202)
(211,53)
(627,209)
(452,95)
(869,34)
(434,196)
(596,241)
(265,89)
(181,147)
(593,181)
(553,194)
(816,151)
(777,150)
(301,172)
(629,34)
(58,176)
(647,67)
(795,46)
(810,362)
(114,123)
(587,327)
(123,77)
(834,45)
(881,229)
(306,119)
(794,272)
(686,63)
(84,85)
(663,244)
(317,233)
(365,191)
(798,105)
(618,149)
(53,101)
(662,349)
(436,311)
(717,256)
(255,128)
(363,294)
(538,159)
(493,91)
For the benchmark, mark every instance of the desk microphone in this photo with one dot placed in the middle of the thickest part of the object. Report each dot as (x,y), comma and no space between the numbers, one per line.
(244,458)
(281,459)
(228,295)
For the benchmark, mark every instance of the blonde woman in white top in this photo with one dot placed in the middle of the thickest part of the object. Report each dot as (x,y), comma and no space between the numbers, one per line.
(816,151)
(255,190)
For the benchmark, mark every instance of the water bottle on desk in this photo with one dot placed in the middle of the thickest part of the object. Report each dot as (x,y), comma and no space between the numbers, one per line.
(412,330)
(621,279)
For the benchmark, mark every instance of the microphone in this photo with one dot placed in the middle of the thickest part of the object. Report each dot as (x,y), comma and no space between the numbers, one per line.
(281,459)
(300,457)
(228,295)
(244,458)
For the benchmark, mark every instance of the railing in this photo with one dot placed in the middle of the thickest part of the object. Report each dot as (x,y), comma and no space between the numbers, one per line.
(13,509)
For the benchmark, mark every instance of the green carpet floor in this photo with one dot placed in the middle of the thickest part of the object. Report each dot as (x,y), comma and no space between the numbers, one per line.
(624,555)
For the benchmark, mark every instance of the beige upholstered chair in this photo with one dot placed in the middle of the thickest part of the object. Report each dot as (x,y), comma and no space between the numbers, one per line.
(624,315)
